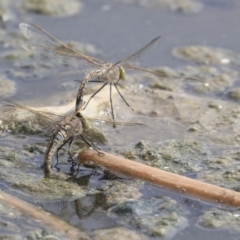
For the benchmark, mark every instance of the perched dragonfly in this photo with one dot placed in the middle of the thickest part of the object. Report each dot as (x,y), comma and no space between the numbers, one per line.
(61,129)
(95,69)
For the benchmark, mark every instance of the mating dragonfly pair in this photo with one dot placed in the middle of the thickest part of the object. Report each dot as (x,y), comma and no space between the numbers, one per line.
(64,129)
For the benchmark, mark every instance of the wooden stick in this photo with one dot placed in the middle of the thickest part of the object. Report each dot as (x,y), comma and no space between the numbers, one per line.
(47,219)
(162,178)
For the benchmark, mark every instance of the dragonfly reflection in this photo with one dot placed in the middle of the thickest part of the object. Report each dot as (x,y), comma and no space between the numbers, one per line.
(61,129)
(95,69)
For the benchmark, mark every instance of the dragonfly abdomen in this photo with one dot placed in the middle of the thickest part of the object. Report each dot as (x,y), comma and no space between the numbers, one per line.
(70,127)
(56,140)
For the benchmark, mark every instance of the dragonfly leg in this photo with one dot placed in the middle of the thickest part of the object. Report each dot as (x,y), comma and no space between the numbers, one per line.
(93,146)
(115,85)
(70,156)
(70,143)
(111,105)
(96,81)
(95,94)
(78,168)
(71,171)
(91,142)
(70,140)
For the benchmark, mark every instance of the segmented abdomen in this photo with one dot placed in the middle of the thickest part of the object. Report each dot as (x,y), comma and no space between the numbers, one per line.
(55,141)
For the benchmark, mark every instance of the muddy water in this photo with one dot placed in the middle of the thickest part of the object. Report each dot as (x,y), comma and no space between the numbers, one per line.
(191,128)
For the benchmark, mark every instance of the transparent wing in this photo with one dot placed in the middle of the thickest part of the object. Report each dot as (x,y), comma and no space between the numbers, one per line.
(138,53)
(163,75)
(47,45)
(102,121)
(126,63)
(13,113)
(133,57)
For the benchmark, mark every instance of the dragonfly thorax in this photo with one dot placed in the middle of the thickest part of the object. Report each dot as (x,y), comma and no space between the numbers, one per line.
(72,126)
(111,73)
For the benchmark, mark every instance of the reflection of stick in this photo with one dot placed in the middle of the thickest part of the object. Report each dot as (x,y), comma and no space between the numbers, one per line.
(162,178)
(47,219)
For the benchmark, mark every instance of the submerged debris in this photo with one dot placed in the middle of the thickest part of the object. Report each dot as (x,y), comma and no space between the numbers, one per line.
(117,233)
(7,86)
(14,225)
(207,55)
(234,94)
(58,8)
(181,156)
(221,219)
(118,192)
(21,169)
(184,6)
(214,80)
(34,184)
(155,216)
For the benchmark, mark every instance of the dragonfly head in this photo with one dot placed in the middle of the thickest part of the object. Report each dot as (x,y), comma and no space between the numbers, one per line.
(121,73)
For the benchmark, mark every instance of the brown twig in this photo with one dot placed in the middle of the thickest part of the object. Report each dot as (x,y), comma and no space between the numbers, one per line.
(47,219)
(162,178)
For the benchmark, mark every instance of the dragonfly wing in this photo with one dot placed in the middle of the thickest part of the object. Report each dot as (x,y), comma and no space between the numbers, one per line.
(163,75)
(47,45)
(13,112)
(61,57)
(130,124)
(133,57)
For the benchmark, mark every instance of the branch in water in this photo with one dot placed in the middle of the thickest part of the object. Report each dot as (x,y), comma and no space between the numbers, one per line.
(162,178)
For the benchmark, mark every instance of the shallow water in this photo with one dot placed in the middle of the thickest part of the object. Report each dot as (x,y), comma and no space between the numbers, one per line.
(192,129)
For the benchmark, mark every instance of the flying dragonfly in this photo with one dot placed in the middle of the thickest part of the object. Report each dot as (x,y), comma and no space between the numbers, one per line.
(61,129)
(95,70)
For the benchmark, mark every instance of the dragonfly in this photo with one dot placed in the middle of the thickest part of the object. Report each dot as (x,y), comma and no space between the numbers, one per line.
(95,70)
(62,129)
